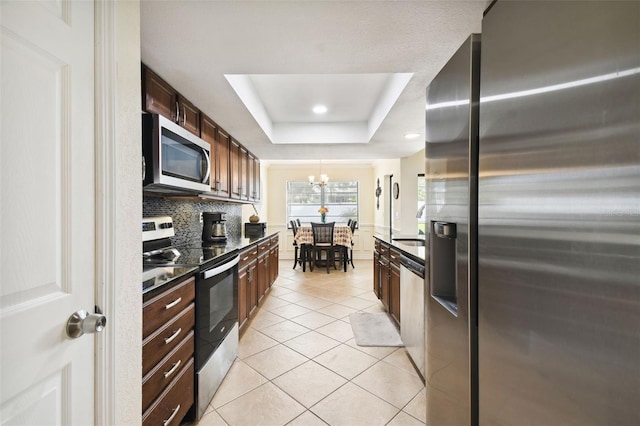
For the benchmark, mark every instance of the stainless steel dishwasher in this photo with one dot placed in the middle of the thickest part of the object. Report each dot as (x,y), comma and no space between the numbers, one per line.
(412,309)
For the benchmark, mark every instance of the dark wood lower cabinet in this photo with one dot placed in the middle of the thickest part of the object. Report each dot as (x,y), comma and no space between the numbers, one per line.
(376,274)
(394,291)
(174,403)
(263,275)
(257,271)
(161,376)
(168,317)
(384,282)
(386,277)
(243,296)
(252,285)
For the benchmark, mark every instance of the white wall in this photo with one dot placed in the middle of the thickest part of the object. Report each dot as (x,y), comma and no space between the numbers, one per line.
(411,167)
(127,323)
(274,177)
(381,169)
(405,172)
(277,175)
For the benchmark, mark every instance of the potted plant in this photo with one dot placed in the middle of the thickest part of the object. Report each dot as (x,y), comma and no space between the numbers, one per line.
(323,214)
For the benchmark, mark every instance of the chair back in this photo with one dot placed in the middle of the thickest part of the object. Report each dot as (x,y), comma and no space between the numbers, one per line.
(352,225)
(298,222)
(322,233)
(294,227)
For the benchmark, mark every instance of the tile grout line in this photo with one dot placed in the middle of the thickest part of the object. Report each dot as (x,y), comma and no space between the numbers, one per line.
(316,283)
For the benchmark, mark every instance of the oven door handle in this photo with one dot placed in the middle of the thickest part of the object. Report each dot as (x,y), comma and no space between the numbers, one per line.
(220,269)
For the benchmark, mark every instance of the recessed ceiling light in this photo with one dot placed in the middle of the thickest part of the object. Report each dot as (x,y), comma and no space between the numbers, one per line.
(319,109)
(411,135)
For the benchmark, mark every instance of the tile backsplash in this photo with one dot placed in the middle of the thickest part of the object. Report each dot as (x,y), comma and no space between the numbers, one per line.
(186,214)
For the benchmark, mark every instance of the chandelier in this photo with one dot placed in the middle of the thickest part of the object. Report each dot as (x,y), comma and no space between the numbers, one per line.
(324,179)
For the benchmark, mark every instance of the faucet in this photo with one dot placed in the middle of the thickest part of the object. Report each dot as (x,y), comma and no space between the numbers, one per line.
(421,210)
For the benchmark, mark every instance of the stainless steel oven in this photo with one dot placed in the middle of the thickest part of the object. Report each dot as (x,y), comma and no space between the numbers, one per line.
(216,301)
(216,327)
(174,159)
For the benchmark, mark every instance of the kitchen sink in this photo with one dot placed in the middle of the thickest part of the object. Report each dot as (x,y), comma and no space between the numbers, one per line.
(418,242)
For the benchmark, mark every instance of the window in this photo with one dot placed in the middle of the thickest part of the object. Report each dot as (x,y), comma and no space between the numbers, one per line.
(340,197)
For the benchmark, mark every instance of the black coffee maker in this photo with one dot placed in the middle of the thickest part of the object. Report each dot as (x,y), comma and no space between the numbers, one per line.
(214,229)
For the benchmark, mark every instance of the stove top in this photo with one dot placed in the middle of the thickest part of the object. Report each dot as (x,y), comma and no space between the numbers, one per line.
(155,276)
(162,261)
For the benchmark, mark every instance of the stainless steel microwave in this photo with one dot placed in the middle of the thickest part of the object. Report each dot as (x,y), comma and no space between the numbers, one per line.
(174,159)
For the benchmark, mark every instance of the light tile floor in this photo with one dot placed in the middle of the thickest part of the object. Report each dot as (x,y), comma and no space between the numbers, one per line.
(299,365)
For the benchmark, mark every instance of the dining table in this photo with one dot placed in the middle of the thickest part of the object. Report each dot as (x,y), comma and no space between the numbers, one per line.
(342,236)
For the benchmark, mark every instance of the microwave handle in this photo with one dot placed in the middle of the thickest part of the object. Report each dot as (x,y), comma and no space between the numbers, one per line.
(208,172)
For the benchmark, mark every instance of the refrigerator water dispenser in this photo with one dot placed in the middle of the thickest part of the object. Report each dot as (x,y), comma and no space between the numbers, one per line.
(443,265)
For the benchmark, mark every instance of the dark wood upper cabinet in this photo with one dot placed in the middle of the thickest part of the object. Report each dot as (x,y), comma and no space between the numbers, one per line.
(249,177)
(235,169)
(253,177)
(209,133)
(244,172)
(256,178)
(219,140)
(235,172)
(223,146)
(188,115)
(160,98)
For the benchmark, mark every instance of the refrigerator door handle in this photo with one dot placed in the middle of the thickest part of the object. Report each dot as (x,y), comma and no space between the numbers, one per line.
(445,230)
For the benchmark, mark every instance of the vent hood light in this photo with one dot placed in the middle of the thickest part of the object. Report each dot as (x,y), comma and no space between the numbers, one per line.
(411,135)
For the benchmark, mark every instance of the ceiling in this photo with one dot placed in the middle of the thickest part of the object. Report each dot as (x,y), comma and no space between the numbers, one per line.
(258,67)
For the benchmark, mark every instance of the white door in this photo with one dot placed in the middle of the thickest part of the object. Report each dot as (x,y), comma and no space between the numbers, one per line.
(47,200)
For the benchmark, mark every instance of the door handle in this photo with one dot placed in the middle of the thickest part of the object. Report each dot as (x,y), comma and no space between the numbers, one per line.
(445,230)
(81,322)
(207,171)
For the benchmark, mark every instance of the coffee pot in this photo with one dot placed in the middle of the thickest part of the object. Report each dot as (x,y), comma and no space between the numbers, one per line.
(213,227)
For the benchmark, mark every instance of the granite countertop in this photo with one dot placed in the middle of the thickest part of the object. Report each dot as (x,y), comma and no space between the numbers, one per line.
(155,277)
(410,246)
(195,255)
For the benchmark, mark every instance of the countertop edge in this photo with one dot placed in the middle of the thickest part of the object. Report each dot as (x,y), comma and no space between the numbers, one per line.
(416,253)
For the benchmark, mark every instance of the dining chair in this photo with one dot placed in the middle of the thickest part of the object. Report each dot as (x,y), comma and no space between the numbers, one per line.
(352,225)
(322,242)
(298,250)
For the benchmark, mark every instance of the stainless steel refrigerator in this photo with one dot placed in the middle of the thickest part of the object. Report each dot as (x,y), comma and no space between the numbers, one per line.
(533,269)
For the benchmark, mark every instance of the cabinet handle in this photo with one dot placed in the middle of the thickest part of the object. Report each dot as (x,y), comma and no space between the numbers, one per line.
(184,115)
(173,369)
(169,339)
(173,414)
(177,112)
(174,303)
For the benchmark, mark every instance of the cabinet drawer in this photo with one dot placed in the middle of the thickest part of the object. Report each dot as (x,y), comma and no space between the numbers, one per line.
(246,256)
(167,370)
(274,241)
(263,247)
(163,341)
(165,306)
(394,257)
(384,250)
(175,401)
